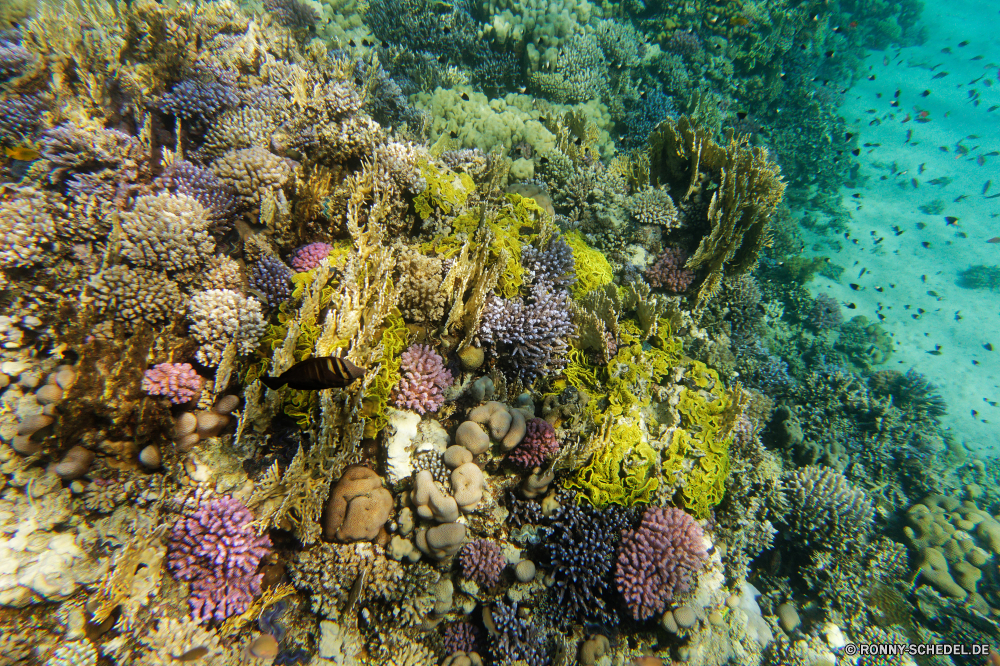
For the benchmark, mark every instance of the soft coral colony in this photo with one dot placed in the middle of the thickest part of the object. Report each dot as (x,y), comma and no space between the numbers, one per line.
(526,463)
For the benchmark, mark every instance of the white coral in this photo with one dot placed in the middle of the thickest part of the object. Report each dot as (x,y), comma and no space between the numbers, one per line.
(221,316)
(173,639)
(25,225)
(166,232)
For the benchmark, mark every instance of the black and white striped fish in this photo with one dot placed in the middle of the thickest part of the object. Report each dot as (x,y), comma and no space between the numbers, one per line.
(315,374)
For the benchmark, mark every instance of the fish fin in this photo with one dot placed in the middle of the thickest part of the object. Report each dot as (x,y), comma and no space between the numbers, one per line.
(273,383)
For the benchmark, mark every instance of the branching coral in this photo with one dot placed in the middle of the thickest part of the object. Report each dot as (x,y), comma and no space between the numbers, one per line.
(26,226)
(166,233)
(423,380)
(271,277)
(135,296)
(668,272)
(217,550)
(217,198)
(177,381)
(221,316)
(482,561)
(539,444)
(827,511)
(656,560)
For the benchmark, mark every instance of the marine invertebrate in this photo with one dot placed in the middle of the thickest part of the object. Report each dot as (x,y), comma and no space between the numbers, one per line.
(14,59)
(553,265)
(308,256)
(182,636)
(221,316)
(579,551)
(482,561)
(292,13)
(270,276)
(421,300)
(592,267)
(653,206)
(827,511)
(529,337)
(668,272)
(358,507)
(134,296)
(26,226)
(217,551)
(197,101)
(540,442)
(516,640)
(825,313)
(20,116)
(657,559)
(217,198)
(423,380)
(580,73)
(254,174)
(460,636)
(166,232)
(177,381)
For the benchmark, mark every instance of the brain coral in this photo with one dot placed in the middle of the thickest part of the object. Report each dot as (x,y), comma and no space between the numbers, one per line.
(658,559)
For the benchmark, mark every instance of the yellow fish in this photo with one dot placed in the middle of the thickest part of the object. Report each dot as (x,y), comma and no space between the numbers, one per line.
(22,153)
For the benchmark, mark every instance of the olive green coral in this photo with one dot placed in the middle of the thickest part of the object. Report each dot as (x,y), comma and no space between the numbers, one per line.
(621,473)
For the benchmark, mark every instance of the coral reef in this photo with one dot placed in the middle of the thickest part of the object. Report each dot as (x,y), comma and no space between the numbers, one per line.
(423,380)
(177,381)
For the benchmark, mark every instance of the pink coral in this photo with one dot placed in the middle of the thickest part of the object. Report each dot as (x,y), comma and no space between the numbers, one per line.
(669,273)
(177,381)
(482,561)
(308,256)
(658,559)
(540,442)
(421,388)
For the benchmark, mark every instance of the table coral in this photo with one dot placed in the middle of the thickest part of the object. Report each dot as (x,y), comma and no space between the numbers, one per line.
(216,549)
(657,560)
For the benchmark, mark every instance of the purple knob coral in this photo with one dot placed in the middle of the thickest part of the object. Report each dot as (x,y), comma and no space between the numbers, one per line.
(308,256)
(658,559)
(217,550)
(177,381)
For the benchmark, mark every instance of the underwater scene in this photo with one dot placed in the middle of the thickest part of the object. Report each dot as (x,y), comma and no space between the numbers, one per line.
(499,332)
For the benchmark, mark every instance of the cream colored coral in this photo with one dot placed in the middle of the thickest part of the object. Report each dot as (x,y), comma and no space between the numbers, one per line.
(166,232)
(221,316)
(653,206)
(252,172)
(221,272)
(25,226)
(134,296)
(174,638)
(421,299)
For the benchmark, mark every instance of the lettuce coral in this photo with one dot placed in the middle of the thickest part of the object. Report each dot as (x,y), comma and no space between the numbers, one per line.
(592,267)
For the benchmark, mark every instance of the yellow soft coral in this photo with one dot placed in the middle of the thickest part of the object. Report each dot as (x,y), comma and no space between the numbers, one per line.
(375,401)
(592,268)
(445,189)
(622,472)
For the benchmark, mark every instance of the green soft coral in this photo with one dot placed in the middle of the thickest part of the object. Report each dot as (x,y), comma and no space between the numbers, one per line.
(698,455)
(621,473)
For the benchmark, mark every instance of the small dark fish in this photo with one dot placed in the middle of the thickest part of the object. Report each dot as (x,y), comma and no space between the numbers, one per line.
(946,49)
(878,289)
(848,136)
(926,245)
(897,231)
(936,351)
(978,57)
(920,169)
(960,197)
(850,306)
(316,374)
(863,271)
(191,655)
(465,96)
(925,93)
(995,239)
(958,315)
(855,287)
(986,186)
(988,346)
(940,75)
(963,43)
(921,226)
(950,221)
(993,196)
(742,115)
(933,293)
(993,108)
(975,362)
(909,135)
(856,152)
(871,78)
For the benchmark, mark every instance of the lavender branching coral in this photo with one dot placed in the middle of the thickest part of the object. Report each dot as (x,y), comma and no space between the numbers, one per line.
(460,637)
(482,562)
(424,378)
(270,276)
(668,271)
(516,640)
(177,381)
(217,551)
(554,265)
(539,444)
(197,102)
(658,559)
(199,183)
(529,337)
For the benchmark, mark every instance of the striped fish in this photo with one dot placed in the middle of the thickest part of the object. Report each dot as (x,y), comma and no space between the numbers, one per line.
(316,374)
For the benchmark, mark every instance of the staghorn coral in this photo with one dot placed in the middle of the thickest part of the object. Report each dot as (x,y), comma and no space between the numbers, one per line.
(482,561)
(460,636)
(529,338)
(827,511)
(166,233)
(197,101)
(423,380)
(253,173)
(271,277)
(20,117)
(668,272)
(177,381)
(134,296)
(539,444)
(221,316)
(26,226)
(217,551)
(553,265)
(516,640)
(658,559)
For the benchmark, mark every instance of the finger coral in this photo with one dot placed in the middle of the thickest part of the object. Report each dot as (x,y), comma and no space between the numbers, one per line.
(217,551)
(539,444)
(177,381)
(423,380)
(658,559)
(221,316)
(270,276)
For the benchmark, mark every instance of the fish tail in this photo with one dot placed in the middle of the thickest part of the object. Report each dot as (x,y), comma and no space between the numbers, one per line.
(273,383)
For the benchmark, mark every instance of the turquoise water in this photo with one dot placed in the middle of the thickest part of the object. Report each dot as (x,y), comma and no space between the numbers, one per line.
(499,332)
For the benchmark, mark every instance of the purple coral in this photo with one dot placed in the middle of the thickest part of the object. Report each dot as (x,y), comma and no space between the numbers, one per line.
(669,273)
(217,550)
(826,313)
(273,278)
(177,381)
(309,256)
(421,388)
(540,442)
(657,560)
(482,561)
(460,637)
(197,101)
